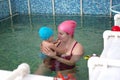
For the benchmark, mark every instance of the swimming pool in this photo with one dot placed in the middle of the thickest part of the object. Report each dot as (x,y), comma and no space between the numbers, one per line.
(19,40)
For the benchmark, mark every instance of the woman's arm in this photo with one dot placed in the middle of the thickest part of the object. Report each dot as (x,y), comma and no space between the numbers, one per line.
(77,53)
(54,47)
(60,50)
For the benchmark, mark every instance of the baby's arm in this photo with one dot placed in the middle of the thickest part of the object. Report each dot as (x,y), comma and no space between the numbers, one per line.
(54,47)
(60,50)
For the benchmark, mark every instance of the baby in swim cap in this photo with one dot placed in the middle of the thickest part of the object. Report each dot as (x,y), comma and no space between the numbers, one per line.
(46,34)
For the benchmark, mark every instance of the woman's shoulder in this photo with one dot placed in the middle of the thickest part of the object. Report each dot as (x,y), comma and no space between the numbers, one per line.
(78,45)
(78,48)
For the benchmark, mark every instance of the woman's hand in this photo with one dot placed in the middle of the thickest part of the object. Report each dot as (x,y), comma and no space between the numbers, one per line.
(48,51)
(45,45)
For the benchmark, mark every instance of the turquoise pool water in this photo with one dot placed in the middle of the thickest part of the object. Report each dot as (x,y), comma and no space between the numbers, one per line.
(19,40)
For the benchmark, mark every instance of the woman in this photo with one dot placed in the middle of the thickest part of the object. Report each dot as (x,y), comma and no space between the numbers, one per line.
(65,62)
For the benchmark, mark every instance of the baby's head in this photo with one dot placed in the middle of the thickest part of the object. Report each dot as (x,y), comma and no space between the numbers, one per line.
(45,33)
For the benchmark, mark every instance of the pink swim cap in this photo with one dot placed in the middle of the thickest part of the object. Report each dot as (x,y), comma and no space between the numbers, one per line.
(68,26)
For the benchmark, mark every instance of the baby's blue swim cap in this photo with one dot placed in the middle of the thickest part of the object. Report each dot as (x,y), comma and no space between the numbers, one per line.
(45,32)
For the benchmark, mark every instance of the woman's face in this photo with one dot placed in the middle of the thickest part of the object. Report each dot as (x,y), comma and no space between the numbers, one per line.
(63,36)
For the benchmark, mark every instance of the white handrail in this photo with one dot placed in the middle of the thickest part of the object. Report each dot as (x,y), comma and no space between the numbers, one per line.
(107,66)
(115,11)
(18,74)
(96,65)
(97,61)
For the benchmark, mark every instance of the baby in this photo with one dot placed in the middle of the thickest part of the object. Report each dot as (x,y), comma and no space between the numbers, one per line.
(46,34)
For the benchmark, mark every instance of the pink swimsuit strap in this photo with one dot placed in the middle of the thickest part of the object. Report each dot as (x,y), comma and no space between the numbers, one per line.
(73,47)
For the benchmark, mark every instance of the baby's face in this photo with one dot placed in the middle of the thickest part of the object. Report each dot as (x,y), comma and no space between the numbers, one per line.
(51,39)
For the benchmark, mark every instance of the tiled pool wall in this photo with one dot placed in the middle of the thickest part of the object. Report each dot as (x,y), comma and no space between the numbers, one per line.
(57,7)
